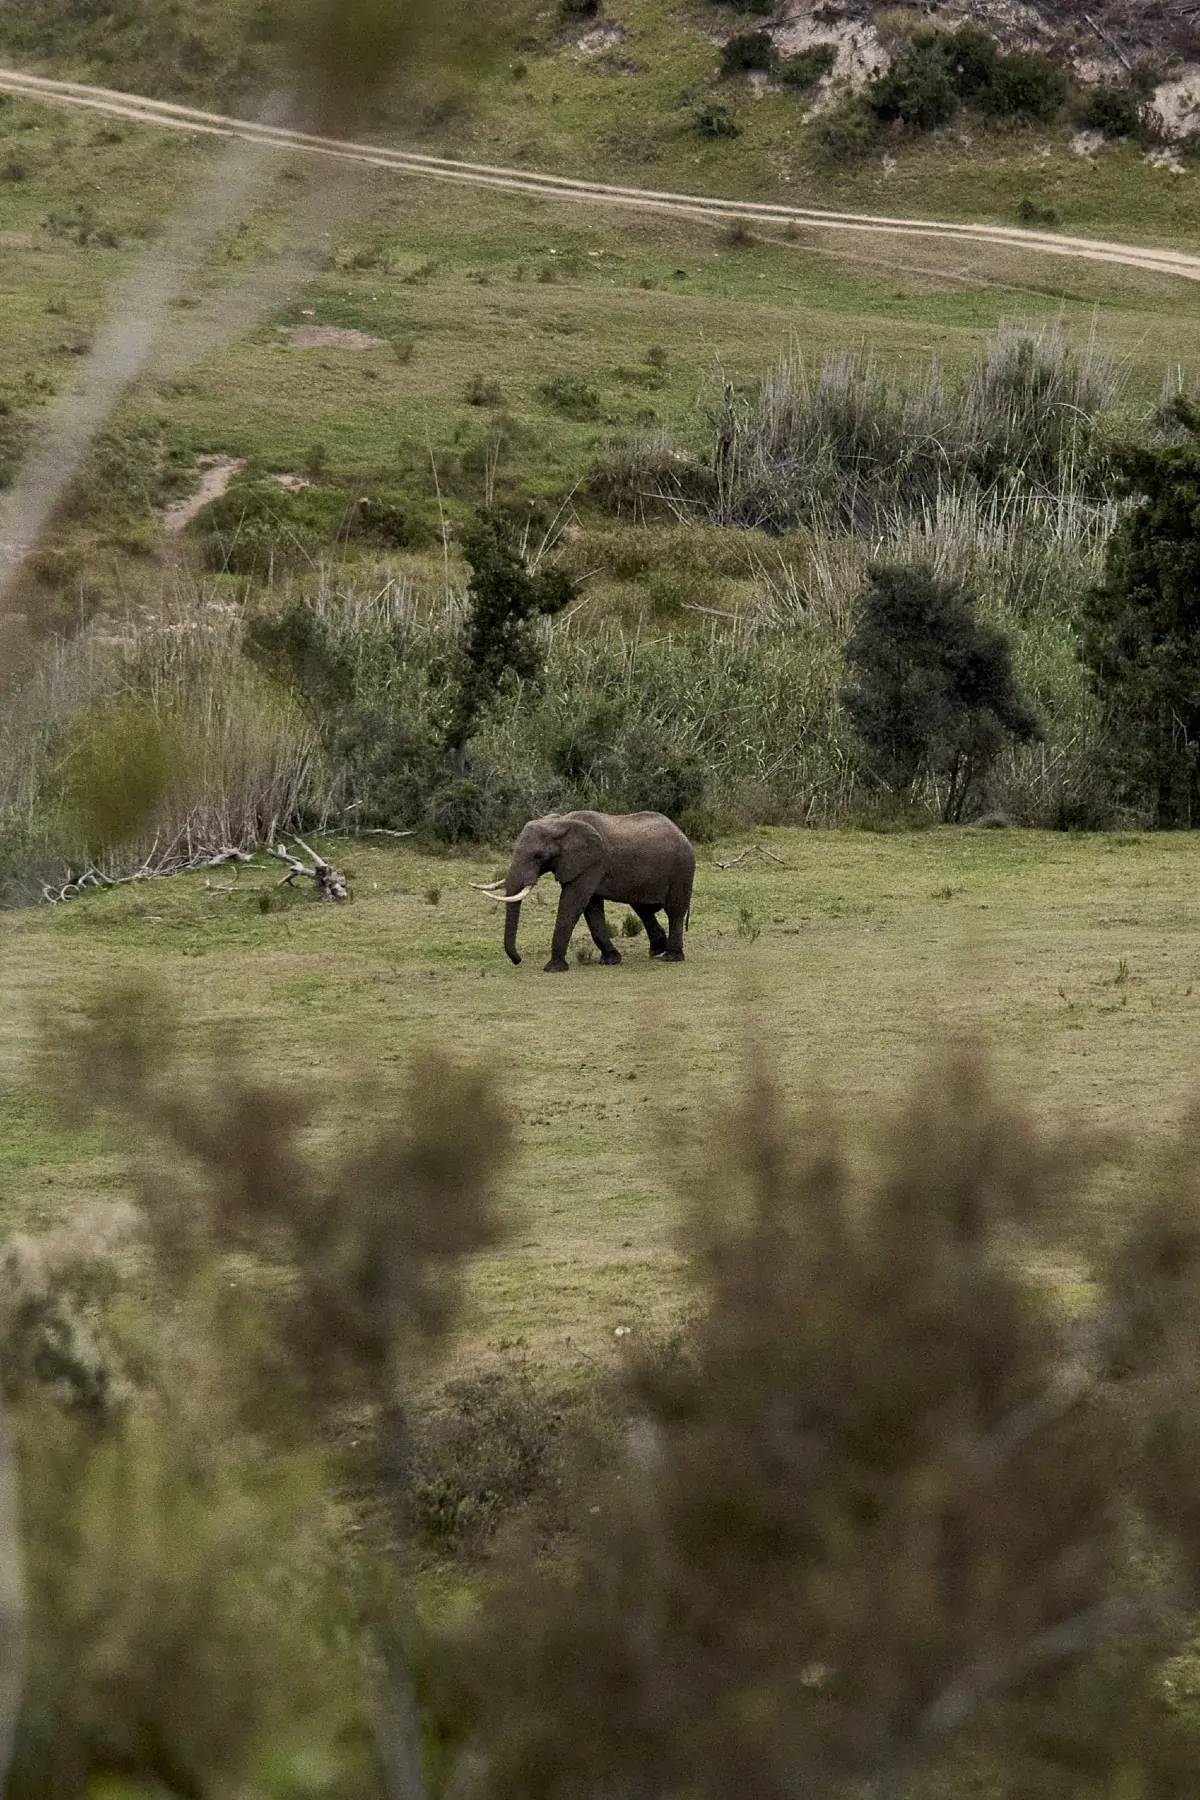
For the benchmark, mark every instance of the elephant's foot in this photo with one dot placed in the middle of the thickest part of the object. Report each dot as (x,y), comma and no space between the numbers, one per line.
(557,965)
(672,956)
(611,958)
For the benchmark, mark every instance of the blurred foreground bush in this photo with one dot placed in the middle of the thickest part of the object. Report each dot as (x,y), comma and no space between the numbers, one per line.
(890,1521)
(888,1518)
(177,1374)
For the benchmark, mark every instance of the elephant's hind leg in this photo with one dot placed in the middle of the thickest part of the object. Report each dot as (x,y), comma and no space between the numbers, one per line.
(654,931)
(597,924)
(674,940)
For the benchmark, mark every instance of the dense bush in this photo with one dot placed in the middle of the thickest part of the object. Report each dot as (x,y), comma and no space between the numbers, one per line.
(258,527)
(196,1623)
(919,89)
(500,645)
(1116,112)
(1025,86)
(932,696)
(495,1448)
(1141,627)
(712,120)
(709,718)
(748,50)
(806,68)
(933,76)
(884,1526)
(571,396)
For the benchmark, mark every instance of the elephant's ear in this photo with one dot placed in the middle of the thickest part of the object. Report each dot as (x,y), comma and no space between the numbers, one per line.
(581,845)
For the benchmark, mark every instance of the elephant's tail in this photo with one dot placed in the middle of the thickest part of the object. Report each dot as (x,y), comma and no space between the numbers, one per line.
(687,918)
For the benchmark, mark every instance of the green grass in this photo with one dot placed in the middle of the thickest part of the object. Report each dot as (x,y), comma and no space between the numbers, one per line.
(453,284)
(629,113)
(1073,959)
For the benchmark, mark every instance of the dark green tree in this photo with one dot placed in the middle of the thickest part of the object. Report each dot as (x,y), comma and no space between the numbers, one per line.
(1140,630)
(505,598)
(933,695)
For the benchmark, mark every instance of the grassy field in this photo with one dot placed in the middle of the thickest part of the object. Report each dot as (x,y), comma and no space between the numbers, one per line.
(452,286)
(1073,959)
(623,102)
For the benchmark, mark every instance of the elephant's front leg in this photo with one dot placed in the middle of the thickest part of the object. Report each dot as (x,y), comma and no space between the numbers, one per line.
(593,912)
(571,902)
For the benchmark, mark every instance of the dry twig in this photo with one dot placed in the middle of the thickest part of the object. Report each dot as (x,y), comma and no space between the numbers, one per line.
(749,854)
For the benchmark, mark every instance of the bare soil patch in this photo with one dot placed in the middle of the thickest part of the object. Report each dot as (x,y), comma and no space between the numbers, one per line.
(219,471)
(329,337)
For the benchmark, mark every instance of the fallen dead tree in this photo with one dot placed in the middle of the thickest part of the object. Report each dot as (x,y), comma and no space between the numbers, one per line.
(183,860)
(154,868)
(330,885)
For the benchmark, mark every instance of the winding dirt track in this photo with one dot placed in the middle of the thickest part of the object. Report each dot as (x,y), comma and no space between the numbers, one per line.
(593,193)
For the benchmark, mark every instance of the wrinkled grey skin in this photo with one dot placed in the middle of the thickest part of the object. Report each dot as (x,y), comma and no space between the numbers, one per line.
(638,859)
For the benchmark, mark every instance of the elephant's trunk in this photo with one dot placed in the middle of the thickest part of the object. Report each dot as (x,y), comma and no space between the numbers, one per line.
(512,916)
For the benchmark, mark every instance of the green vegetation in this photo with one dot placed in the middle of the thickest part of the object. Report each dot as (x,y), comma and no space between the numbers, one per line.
(806,68)
(1141,627)
(200,1614)
(932,696)
(935,75)
(383,1434)
(748,50)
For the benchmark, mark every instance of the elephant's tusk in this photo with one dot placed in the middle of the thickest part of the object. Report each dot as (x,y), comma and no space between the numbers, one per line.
(511,899)
(487,887)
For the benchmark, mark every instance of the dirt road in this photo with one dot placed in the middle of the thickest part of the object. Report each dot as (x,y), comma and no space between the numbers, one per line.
(593,193)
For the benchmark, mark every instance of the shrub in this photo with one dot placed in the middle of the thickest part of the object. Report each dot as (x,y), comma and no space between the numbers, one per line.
(713,120)
(482,390)
(501,1445)
(970,57)
(940,71)
(1031,214)
(13,436)
(880,1440)
(934,74)
(1140,632)
(917,90)
(257,527)
(1116,112)
(387,521)
(504,598)
(807,67)
(748,50)
(847,132)
(571,396)
(933,694)
(194,1620)
(116,763)
(1025,86)
(849,442)
(458,812)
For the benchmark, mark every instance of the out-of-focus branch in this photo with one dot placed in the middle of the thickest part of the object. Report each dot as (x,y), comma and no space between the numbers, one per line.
(12,1598)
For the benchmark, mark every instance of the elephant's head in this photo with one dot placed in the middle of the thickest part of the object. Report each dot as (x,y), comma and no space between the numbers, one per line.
(562,845)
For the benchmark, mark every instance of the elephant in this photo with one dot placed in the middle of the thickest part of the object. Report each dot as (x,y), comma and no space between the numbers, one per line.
(640,859)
